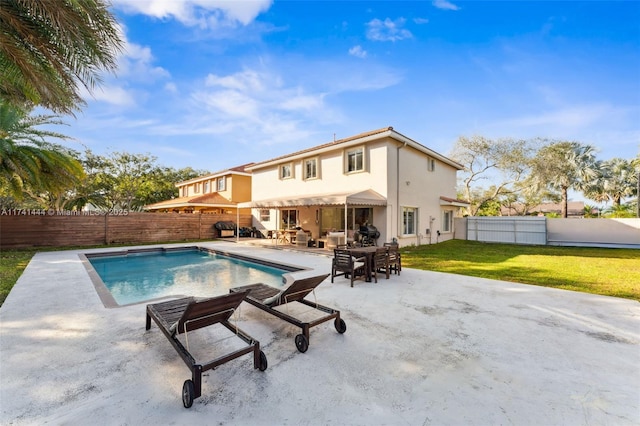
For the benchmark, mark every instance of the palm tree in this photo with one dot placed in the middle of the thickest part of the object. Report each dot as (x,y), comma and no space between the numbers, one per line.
(49,50)
(28,162)
(561,166)
(618,179)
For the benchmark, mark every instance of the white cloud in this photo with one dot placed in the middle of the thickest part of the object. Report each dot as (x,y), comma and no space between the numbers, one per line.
(113,95)
(247,80)
(421,21)
(358,52)
(136,63)
(387,30)
(302,102)
(569,117)
(202,13)
(253,95)
(444,4)
(171,88)
(135,67)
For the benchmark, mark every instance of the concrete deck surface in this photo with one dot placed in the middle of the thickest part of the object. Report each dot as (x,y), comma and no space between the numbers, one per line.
(422,348)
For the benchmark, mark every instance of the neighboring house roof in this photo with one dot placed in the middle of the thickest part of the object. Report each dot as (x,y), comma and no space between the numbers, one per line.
(355,140)
(574,208)
(362,198)
(446,201)
(207,200)
(240,170)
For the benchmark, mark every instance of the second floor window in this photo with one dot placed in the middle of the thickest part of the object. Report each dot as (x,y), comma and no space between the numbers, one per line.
(206,187)
(311,168)
(355,160)
(286,171)
(222,183)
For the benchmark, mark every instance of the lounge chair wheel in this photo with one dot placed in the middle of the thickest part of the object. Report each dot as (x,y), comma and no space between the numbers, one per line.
(263,362)
(302,343)
(340,325)
(187,393)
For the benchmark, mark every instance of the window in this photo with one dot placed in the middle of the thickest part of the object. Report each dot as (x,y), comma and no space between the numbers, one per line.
(289,219)
(310,167)
(286,171)
(196,188)
(447,221)
(431,164)
(354,160)
(222,183)
(265,215)
(332,219)
(409,215)
(206,187)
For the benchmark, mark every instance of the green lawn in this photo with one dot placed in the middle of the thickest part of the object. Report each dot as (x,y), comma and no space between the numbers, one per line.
(609,272)
(12,263)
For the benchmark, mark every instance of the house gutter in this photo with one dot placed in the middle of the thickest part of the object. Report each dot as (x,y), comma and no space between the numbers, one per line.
(398,188)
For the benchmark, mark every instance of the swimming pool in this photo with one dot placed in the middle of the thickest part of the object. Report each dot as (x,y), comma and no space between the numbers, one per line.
(134,276)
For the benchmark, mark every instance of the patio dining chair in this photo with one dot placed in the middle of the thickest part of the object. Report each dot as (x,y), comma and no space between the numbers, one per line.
(395,261)
(380,262)
(345,264)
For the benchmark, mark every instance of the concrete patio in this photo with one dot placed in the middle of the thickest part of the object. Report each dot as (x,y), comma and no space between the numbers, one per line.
(422,348)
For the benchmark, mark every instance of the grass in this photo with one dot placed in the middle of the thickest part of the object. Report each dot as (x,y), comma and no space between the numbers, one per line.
(605,271)
(609,272)
(12,263)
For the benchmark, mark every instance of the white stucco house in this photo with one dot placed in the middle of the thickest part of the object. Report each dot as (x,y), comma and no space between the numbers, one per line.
(380,178)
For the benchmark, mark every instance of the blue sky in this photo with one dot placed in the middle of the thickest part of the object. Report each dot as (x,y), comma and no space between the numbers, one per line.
(214,84)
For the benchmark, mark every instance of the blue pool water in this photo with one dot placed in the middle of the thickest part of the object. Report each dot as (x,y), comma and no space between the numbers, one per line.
(136,277)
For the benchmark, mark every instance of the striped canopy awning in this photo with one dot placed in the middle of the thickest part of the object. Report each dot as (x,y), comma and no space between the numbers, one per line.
(367,197)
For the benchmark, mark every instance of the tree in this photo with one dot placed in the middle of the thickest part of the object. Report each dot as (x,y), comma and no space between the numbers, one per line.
(636,192)
(161,184)
(505,160)
(128,181)
(590,211)
(49,50)
(619,211)
(615,182)
(28,161)
(561,166)
(523,200)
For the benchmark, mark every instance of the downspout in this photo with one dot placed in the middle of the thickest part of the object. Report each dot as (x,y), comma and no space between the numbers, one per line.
(346,225)
(237,224)
(398,189)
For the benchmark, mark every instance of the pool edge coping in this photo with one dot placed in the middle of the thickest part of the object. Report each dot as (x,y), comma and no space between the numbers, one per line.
(110,302)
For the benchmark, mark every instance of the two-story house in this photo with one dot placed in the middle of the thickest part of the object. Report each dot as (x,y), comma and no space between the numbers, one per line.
(216,193)
(379,178)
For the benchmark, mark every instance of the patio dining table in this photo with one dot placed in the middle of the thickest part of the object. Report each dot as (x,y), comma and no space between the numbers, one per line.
(367,253)
(286,236)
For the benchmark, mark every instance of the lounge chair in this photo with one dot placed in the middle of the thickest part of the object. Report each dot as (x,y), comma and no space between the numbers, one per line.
(180,316)
(267,298)
(344,263)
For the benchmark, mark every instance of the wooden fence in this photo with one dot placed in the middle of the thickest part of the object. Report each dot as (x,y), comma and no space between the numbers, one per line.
(19,229)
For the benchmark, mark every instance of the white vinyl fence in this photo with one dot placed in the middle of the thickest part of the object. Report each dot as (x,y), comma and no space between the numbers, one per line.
(543,231)
(514,229)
